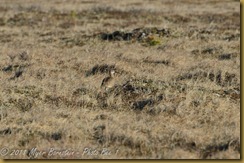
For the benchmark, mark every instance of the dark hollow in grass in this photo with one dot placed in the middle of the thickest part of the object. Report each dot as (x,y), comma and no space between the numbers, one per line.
(224,56)
(139,105)
(56,136)
(105,68)
(6,131)
(7,68)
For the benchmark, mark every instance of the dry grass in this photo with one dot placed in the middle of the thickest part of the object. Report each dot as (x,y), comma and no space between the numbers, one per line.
(178,78)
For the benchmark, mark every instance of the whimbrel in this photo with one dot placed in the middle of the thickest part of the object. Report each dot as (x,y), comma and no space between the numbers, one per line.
(108,82)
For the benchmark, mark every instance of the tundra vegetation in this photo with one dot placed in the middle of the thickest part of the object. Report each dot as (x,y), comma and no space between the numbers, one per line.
(177,91)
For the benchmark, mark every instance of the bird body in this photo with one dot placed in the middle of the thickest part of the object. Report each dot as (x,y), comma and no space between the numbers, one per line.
(108,82)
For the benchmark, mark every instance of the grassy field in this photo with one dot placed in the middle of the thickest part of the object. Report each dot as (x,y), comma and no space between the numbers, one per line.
(177,79)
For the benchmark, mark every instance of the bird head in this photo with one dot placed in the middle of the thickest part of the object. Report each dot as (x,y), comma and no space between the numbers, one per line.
(112,72)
